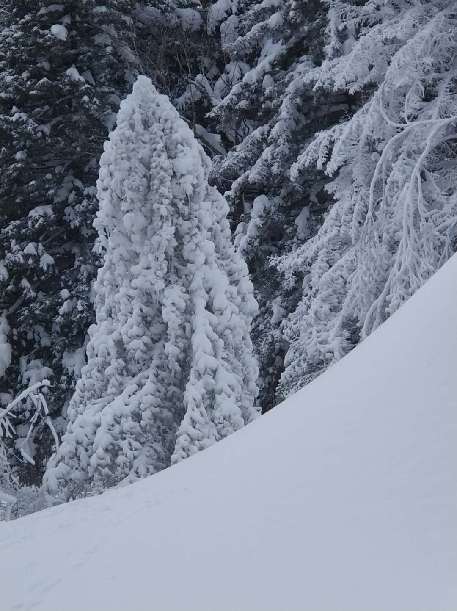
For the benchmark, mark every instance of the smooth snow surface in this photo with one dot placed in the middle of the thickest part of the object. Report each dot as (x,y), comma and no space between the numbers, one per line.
(342,499)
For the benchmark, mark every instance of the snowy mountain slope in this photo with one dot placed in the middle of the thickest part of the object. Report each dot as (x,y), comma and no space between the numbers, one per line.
(342,499)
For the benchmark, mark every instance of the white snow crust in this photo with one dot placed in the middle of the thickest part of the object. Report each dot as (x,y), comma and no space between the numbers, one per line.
(343,498)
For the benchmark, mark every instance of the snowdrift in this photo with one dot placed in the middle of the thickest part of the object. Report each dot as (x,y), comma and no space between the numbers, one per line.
(344,498)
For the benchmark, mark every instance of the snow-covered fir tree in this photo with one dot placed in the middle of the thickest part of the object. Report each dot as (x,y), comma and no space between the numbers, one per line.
(170,361)
(264,110)
(393,165)
(63,69)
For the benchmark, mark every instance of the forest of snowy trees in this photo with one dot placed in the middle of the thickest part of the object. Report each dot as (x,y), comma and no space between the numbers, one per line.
(203,205)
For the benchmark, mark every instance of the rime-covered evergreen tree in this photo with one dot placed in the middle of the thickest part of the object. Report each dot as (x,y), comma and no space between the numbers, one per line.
(63,69)
(170,362)
(393,165)
(264,110)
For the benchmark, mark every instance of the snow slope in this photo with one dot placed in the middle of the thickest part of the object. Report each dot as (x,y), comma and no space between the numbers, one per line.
(342,499)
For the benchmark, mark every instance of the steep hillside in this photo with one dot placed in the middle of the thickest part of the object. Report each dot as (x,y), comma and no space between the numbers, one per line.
(343,498)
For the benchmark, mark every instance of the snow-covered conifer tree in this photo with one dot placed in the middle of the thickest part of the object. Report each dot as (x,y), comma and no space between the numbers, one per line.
(265,110)
(170,363)
(394,169)
(64,66)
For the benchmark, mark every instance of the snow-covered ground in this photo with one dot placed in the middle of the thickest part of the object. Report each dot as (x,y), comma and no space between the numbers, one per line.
(344,498)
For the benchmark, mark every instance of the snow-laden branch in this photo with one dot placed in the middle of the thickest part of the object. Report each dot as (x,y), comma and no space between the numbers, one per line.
(36,399)
(394,173)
